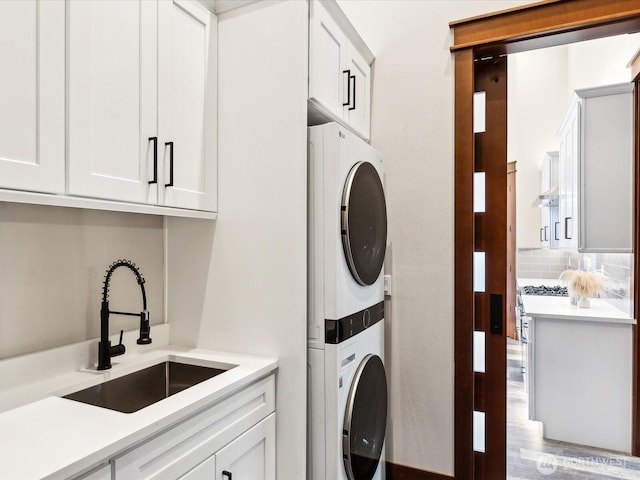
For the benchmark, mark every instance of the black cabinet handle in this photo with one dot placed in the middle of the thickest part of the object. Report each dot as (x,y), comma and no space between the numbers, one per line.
(546,233)
(555,231)
(350,79)
(566,228)
(541,239)
(353,77)
(170,184)
(348,102)
(155,160)
(227,474)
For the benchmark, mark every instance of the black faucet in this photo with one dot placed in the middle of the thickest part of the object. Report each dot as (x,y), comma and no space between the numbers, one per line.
(105,350)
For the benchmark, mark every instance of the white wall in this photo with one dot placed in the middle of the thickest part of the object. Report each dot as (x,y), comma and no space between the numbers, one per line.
(601,62)
(239,284)
(412,125)
(52,264)
(537,101)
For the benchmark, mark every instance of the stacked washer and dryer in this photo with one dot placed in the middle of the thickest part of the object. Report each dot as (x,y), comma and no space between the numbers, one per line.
(347,385)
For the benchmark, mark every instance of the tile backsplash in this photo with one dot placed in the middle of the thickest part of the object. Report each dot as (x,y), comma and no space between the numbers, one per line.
(52,265)
(548,264)
(541,263)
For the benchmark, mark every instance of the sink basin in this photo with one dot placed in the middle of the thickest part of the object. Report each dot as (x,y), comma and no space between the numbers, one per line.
(145,387)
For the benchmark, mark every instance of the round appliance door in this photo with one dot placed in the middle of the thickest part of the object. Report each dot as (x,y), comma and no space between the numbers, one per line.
(364,223)
(365,420)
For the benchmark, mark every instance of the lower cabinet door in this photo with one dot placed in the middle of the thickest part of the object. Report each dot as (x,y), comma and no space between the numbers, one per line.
(251,456)
(204,471)
(103,472)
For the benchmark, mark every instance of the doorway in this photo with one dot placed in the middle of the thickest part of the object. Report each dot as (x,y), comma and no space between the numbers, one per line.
(550,76)
(478,39)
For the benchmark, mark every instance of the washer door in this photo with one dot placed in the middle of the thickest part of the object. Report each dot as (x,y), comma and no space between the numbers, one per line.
(365,420)
(364,223)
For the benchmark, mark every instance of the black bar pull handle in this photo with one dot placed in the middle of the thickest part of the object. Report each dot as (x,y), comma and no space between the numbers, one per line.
(353,77)
(348,102)
(155,160)
(566,228)
(227,474)
(495,314)
(546,233)
(541,239)
(170,184)
(555,230)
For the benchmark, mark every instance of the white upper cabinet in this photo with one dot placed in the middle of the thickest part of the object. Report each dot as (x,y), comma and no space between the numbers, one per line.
(568,177)
(339,70)
(142,102)
(547,201)
(112,99)
(32,49)
(328,57)
(187,104)
(596,170)
(359,95)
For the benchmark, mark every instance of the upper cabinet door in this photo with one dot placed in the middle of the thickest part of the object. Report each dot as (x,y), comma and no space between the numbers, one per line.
(568,169)
(32,90)
(357,109)
(328,74)
(112,99)
(187,104)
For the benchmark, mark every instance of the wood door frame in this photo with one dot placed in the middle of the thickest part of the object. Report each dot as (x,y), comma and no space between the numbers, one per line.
(542,24)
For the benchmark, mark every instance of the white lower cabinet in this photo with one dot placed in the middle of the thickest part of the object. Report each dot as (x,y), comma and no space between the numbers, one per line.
(251,456)
(235,435)
(103,472)
(204,471)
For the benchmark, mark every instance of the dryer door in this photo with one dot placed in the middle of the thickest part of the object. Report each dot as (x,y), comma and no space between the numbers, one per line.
(365,420)
(364,223)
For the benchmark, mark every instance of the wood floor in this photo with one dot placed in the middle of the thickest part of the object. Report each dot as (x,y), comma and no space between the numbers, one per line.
(530,457)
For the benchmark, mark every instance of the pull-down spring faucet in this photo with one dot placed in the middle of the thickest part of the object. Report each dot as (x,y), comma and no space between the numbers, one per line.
(105,350)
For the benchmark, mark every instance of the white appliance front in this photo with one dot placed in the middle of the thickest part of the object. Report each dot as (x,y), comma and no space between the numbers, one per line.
(347,227)
(335,375)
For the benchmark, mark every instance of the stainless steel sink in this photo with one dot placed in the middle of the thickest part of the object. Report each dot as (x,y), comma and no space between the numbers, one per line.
(140,389)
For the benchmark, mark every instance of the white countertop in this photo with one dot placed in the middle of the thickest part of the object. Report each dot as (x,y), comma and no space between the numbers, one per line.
(560,307)
(55,437)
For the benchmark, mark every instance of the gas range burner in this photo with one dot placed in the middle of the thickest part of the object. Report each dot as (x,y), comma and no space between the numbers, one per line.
(555,291)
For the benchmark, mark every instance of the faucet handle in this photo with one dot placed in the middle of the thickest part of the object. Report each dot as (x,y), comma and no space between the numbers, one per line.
(145,329)
(118,349)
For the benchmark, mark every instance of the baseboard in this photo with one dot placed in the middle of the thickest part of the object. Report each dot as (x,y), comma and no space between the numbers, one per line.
(402,472)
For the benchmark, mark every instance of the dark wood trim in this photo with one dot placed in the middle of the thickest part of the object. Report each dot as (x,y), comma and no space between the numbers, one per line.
(402,472)
(499,13)
(541,20)
(542,24)
(490,230)
(463,251)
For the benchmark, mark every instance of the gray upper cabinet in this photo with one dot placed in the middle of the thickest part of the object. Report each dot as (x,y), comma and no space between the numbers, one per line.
(596,170)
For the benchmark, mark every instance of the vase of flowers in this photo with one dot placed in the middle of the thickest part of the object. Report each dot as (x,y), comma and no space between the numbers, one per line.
(582,285)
